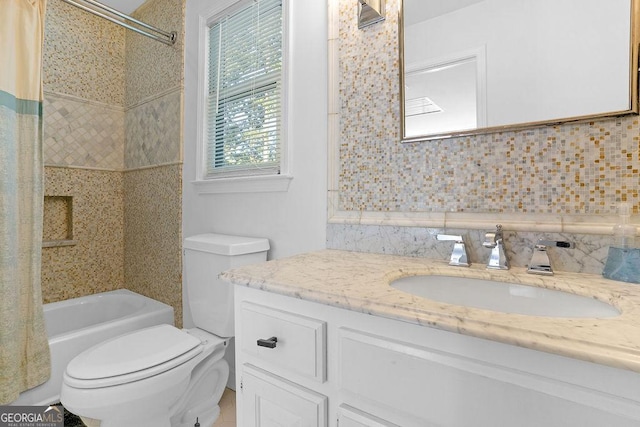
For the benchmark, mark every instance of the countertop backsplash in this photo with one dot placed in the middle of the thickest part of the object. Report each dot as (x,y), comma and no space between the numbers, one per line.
(588,256)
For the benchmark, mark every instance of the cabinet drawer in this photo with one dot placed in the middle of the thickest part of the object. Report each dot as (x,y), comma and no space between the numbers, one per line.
(290,342)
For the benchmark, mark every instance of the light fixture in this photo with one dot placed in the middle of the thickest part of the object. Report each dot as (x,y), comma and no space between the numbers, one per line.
(370,12)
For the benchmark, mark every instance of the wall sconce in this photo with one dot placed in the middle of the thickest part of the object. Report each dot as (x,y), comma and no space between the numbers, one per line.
(370,12)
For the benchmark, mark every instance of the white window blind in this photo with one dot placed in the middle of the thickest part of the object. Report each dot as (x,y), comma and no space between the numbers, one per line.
(245,95)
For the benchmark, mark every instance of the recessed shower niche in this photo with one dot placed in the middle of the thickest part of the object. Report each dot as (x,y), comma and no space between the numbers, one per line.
(58,221)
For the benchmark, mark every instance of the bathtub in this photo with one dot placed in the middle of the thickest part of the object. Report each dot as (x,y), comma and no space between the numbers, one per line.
(75,325)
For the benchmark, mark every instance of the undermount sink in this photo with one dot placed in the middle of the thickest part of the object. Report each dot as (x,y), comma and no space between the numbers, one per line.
(503,296)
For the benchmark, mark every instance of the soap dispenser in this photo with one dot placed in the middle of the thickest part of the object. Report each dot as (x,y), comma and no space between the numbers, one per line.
(623,260)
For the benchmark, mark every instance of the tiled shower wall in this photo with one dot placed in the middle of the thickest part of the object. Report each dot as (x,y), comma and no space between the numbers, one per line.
(83,150)
(153,158)
(571,169)
(113,149)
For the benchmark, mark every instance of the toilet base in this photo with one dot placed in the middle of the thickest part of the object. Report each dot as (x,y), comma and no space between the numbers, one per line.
(200,401)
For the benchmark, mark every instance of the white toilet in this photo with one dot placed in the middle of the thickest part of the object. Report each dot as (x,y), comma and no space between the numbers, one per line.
(163,376)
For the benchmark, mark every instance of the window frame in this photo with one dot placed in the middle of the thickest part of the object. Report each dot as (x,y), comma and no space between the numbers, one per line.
(233,182)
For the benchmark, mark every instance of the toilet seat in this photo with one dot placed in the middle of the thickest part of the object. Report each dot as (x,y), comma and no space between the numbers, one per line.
(132,357)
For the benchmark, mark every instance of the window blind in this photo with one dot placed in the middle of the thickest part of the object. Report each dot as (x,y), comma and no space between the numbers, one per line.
(244,97)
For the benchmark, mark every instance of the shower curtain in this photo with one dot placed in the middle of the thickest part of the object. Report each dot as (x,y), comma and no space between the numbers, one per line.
(24,351)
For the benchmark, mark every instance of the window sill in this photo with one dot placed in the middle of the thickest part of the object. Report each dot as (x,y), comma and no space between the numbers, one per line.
(245,184)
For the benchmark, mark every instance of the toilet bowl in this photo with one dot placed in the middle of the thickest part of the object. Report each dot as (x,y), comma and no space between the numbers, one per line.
(158,376)
(163,376)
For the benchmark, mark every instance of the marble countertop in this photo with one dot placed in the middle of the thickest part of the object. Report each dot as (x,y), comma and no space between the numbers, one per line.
(360,282)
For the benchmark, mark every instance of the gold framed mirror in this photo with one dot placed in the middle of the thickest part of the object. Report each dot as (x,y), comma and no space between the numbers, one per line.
(480,66)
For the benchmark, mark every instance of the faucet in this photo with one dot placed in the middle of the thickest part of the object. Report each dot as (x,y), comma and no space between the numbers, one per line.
(459,256)
(540,263)
(498,259)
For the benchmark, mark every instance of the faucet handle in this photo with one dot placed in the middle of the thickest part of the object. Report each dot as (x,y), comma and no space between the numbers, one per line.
(540,263)
(459,256)
(450,237)
(498,259)
(491,238)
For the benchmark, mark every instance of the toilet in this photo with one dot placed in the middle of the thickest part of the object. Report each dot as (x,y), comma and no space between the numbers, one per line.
(163,376)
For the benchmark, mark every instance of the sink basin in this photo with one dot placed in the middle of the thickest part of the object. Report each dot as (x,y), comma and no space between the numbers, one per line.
(503,297)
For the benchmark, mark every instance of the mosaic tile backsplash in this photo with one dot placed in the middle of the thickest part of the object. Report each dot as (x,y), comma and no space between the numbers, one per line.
(581,168)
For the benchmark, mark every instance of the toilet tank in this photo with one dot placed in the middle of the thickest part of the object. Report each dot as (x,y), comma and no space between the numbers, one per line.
(205,257)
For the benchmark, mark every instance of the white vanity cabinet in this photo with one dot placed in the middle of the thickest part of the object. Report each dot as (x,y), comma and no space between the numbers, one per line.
(337,367)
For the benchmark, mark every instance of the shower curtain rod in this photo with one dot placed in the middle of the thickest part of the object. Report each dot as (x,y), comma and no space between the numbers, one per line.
(161,36)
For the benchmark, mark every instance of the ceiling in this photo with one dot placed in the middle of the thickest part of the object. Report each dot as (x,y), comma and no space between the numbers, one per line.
(124,6)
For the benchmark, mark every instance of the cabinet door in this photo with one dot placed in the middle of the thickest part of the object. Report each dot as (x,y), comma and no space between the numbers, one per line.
(272,401)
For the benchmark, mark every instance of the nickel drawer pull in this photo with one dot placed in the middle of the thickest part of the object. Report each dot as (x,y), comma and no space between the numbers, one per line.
(269,343)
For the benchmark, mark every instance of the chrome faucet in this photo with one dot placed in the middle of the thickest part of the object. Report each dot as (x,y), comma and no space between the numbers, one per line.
(459,256)
(498,259)
(540,263)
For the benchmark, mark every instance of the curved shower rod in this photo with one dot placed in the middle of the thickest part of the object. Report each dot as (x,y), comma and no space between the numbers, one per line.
(147,30)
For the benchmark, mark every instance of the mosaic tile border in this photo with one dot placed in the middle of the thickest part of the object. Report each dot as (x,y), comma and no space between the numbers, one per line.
(153,132)
(82,133)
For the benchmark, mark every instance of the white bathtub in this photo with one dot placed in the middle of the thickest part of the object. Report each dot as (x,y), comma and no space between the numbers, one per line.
(75,325)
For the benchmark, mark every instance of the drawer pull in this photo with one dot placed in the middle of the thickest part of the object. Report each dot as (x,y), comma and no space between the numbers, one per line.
(270,343)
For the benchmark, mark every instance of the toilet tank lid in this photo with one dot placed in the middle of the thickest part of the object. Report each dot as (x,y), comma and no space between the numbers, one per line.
(222,244)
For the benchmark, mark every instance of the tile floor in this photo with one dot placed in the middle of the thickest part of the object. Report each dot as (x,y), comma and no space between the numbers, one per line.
(71,420)
(227,410)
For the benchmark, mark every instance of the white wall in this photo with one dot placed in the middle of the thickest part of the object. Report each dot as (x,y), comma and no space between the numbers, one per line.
(294,221)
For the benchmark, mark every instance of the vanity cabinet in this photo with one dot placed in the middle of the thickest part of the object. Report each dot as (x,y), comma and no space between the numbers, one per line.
(337,367)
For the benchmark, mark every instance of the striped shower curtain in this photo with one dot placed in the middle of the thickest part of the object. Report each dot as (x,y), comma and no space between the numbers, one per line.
(24,351)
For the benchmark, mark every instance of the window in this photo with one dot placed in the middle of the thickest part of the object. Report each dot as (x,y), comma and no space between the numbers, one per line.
(244,92)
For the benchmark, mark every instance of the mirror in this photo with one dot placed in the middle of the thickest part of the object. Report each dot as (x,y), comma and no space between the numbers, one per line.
(479,66)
